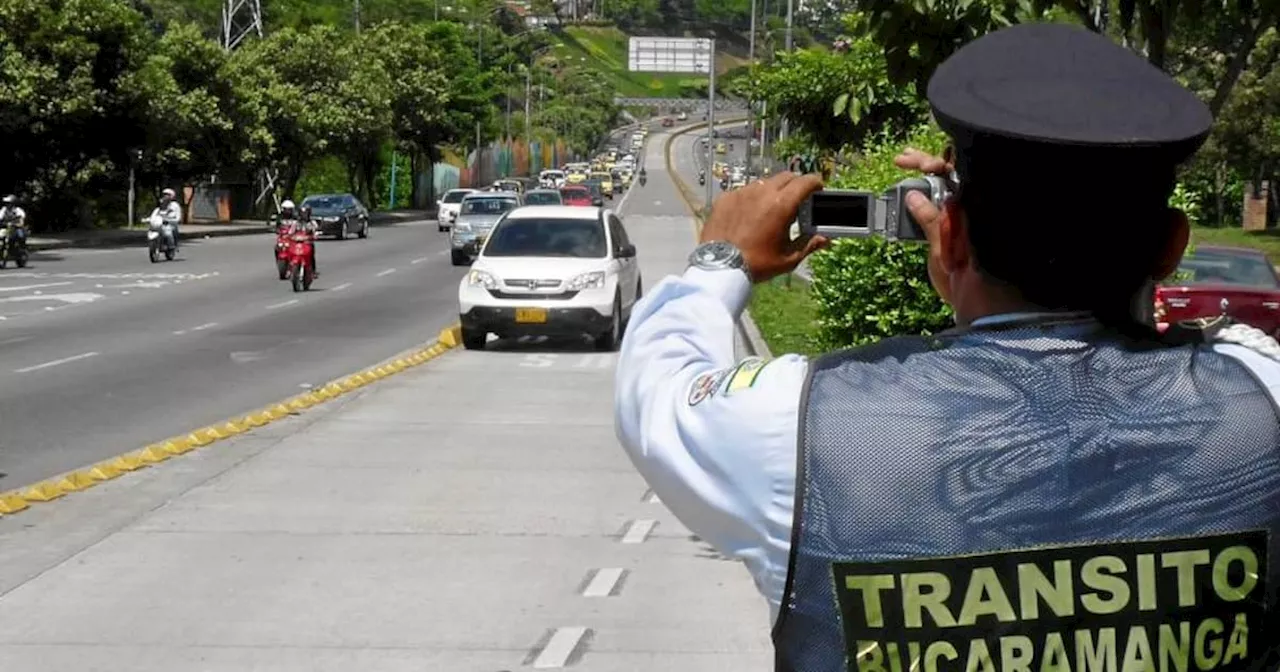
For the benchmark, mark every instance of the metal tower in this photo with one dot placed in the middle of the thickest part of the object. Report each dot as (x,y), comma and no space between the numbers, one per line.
(240,19)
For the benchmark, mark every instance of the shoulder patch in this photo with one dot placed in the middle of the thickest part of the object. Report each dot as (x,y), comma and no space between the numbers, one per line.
(745,374)
(705,385)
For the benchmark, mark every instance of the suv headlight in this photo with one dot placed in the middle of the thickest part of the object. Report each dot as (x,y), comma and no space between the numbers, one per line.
(592,280)
(482,279)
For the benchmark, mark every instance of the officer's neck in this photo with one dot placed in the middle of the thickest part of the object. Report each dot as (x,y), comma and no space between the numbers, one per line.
(988,300)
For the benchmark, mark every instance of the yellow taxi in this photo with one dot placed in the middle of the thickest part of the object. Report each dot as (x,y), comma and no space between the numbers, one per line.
(720,149)
(718,169)
(575,178)
(606,182)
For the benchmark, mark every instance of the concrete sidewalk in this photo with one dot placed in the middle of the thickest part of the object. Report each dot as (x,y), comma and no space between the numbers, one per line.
(472,514)
(196,230)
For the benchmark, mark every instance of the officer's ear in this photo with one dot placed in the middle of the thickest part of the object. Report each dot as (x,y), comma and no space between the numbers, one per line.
(1174,246)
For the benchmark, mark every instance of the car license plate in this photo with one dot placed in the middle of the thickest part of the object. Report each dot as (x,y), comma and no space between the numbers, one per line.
(531,315)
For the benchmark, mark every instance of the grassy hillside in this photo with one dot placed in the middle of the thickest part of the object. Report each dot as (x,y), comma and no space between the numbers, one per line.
(605,49)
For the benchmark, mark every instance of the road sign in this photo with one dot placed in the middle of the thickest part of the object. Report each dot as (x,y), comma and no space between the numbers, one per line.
(670,54)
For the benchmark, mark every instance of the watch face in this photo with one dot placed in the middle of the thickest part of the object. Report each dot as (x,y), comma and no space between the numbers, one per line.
(716,254)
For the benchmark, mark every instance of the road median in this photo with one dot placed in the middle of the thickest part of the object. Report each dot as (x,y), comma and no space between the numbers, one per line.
(20,499)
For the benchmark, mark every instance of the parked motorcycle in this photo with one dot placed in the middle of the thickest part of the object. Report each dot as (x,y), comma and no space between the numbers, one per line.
(160,239)
(13,244)
(702,179)
(302,259)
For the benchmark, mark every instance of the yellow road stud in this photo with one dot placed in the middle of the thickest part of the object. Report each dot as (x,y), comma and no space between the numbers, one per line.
(127,463)
(76,481)
(151,454)
(319,396)
(178,445)
(45,491)
(335,389)
(195,439)
(104,471)
(401,363)
(12,502)
(299,404)
(232,427)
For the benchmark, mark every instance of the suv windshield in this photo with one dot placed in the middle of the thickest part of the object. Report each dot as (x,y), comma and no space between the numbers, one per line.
(542,198)
(455,196)
(538,237)
(1213,266)
(487,206)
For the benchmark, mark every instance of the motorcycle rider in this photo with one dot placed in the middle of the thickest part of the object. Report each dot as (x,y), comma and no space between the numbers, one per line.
(12,216)
(642,177)
(171,211)
(702,176)
(295,220)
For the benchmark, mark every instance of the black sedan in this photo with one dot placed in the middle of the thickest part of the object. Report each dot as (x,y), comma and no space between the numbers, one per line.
(338,215)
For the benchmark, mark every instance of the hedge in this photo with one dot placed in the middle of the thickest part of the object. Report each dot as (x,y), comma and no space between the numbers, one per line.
(868,289)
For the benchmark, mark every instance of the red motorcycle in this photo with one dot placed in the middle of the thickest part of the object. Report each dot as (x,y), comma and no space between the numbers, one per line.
(301,258)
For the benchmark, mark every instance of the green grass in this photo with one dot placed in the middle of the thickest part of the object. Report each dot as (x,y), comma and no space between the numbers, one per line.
(1268,241)
(605,50)
(786,317)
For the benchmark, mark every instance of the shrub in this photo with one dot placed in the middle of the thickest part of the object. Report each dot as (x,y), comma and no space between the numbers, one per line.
(867,289)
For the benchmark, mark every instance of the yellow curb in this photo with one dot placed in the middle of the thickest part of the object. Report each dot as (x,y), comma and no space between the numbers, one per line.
(11,502)
(45,491)
(75,481)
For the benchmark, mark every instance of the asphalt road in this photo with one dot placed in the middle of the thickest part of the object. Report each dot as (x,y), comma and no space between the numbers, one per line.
(102,352)
(687,156)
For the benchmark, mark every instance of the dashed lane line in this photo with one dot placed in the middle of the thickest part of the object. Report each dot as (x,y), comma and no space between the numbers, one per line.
(604,582)
(57,362)
(389,271)
(282,304)
(341,287)
(563,644)
(638,531)
(419,260)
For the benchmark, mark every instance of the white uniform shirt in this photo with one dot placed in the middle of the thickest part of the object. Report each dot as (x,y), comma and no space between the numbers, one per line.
(722,454)
(16,213)
(172,212)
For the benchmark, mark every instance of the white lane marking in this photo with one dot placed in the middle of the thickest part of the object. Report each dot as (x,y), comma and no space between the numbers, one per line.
(15,339)
(442,252)
(180,332)
(341,287)
(561,645)
(206,325)
(419,260)
(74,297)
(47,284)
(57,362)
(282,304)
(638,531)
(389,271)
(651,497)
(603,583)
(305,386)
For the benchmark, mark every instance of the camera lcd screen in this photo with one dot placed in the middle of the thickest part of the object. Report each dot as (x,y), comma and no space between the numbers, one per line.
(841,209)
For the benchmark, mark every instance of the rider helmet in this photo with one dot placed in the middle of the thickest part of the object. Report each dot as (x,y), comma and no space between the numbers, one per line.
(10,200)
(169,193)
(304,213)
(286,208)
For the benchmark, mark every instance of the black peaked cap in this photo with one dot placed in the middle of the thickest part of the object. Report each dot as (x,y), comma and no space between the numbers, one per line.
(1064,89)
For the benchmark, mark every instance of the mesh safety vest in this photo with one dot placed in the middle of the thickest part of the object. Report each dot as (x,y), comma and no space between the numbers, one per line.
(1040,498)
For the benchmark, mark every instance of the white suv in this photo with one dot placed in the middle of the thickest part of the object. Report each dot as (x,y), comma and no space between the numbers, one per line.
(447,207)
(553,271)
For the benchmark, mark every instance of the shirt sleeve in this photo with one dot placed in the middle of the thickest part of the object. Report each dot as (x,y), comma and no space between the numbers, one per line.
(715,438)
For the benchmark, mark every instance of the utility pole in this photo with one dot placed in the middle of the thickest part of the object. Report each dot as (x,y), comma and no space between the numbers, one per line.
(751,63)
(711,118)
(242,19)
(357,17)
(786,123)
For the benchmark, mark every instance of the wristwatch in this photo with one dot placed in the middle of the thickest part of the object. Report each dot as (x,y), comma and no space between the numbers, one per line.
(718,255)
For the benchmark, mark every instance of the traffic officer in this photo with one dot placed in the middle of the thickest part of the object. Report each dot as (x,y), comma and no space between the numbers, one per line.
(1051,479)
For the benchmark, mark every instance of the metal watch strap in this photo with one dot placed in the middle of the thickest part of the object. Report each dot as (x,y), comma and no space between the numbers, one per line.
(718,255)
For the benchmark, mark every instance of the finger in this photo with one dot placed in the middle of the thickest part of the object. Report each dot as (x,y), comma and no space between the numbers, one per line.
(777,182)
(914,159)
(802,187)
(922,208)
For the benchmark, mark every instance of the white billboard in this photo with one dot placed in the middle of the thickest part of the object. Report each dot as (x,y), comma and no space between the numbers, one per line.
(670,54)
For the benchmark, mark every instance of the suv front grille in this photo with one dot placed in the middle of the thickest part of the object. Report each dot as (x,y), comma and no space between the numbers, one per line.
(531,296)
(532,284)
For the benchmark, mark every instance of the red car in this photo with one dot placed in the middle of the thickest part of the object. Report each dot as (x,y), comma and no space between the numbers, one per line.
(668,121)
(1238,282)
(576,195)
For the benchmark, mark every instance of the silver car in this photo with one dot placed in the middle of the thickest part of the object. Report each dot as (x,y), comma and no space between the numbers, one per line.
(477,215)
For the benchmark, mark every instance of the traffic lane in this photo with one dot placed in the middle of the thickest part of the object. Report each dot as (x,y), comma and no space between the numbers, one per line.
(103,394)
(658,196)
(686,160)
(227,278)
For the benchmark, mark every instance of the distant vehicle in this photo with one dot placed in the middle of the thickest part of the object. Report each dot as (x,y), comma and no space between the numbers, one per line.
(720,148)
(551,179)
(605,178)
(682,116)
(338,215)
(511,185)
(1238,282)
(479,213)
(554,272)
(447,207)
(668,121)
(543,197)
(597,191)
(575,194)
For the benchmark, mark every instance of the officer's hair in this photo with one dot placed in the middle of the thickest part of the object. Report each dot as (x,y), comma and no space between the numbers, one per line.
(1068,245)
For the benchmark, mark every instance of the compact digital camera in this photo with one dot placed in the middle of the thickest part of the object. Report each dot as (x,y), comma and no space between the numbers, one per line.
(844,213)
